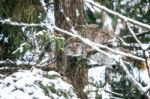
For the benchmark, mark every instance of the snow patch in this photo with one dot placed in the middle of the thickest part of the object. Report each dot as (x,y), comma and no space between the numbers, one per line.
(35,85)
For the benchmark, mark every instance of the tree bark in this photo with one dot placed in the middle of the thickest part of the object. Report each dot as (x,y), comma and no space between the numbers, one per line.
(68,14)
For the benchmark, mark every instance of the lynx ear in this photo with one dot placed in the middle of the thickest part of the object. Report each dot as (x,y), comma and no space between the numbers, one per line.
(107,24)
(120,26)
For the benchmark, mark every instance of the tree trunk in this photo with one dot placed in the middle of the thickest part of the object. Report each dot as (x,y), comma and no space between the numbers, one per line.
(69,13)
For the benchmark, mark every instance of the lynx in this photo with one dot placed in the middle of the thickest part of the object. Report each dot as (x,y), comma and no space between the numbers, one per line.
(92,32)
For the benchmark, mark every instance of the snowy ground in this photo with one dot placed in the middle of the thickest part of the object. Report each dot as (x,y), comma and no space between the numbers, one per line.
(35,84)
(38,84)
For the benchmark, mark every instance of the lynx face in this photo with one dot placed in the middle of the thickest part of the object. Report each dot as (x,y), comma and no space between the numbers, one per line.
(73,47)
(93,33)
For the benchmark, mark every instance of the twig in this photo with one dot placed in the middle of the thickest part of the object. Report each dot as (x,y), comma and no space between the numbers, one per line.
(126,19)
(114,93)
(137,34)
(134,36)
(123,42)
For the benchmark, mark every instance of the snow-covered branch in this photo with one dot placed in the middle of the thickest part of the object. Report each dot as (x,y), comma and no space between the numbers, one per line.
(97,46)
(9,22)
(119,52)
(126,19)
(15,63)
(93,45)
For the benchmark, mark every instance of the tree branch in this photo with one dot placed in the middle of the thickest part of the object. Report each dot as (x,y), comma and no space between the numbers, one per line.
(9,22)
(134,36)
(126,19)
(137,34)
(114,93)
(119,52)
(86,41)
(97,46)
(10,63)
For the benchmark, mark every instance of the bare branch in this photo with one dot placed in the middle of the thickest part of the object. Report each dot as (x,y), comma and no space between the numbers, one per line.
(126,19)
(123,42)
(134,36)
(114,93)
(137,34)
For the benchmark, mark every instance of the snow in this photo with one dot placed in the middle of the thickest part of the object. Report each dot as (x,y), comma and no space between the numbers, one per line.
(6,90)
(98,20)
(62,10)
(49,19)
(1,36)
(53,73)
(6,39)
(19,62)
(43,4)
(25,81)
(16,95)
(106,95)
(93,92)
(102,59)
(40,33)
(77,13)
(73,30)
(144,77)
(92,62)
(8,81)
(145,46)
(68,19)
(97,75)
(19,49)
(130,2)
(123,2)
(35,84)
